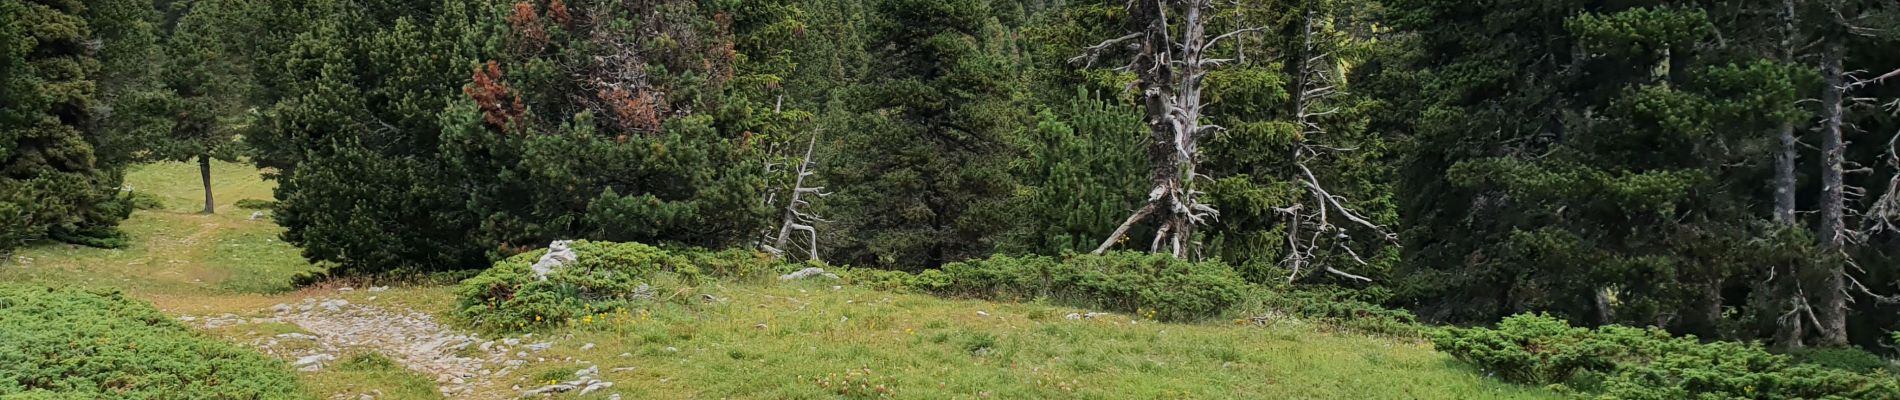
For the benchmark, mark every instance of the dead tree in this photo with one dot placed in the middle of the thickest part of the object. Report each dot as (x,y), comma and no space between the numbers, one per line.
(1169,45)
(796,217)
(1789,326)
(1310,224)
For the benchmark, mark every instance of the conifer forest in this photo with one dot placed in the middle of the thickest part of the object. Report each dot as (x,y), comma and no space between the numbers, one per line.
(1617,199)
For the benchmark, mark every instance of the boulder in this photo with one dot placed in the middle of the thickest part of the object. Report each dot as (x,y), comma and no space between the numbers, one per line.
(558,254)
(807,273)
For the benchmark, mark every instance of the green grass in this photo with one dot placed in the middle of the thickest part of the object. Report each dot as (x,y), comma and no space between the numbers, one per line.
(803,341)
(761,340)
(372,374)
(176,250)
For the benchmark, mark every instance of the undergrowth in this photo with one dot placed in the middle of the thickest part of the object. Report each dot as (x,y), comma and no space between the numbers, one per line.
(1619,362)
(72,343)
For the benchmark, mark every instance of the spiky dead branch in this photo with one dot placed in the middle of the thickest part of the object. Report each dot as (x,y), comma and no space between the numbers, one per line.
(1170,70)
(1311,225)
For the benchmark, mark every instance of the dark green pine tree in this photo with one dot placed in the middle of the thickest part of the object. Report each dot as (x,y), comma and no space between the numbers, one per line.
(1585,163)
(50,183)
(922,176)
(204,88)
(355,142)
(605,131)
(1081,171)
(129,112)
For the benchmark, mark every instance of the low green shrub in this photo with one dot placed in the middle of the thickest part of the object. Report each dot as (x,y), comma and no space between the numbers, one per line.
(735,264)
(1851,359)
(255,204)
(606,277)
(70,343)
(1341,308)
(1618,362)
(143,200)
(1150,285)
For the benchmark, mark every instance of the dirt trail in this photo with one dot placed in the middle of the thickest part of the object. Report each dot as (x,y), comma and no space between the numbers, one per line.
(464,365)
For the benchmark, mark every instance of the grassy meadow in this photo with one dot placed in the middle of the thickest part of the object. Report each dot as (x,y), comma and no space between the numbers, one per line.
(759,340)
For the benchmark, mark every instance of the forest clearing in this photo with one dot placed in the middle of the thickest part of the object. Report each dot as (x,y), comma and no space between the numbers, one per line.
(629,199)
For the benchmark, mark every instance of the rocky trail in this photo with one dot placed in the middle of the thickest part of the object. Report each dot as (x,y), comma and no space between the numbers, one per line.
(464,366)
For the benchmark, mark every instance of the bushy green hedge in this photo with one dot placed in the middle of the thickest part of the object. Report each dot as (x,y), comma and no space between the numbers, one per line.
(1150,285)
(1618,362)
(606,277)
(70,343)
(1341,308)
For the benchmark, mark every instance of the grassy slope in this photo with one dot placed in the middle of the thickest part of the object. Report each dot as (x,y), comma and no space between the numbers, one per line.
(190,263)
(805,340)
(768,340)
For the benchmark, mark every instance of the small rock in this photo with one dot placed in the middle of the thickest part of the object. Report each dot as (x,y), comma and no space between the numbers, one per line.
(488,345)
(457,381)
(626,354)
(375,289)
(615,396)
(294,335)
(980,313)
(280,308)
(587,372)
(334,305)
(623,369)
(260,214)
(596,385)
(312,362)
(346,289)
(586,347)
(671,349)
(807,273)
(511,342)
(538,347)
(366,397)
(521,354)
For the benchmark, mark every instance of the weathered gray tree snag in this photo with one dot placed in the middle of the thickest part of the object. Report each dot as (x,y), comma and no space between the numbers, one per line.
(1789,327)
(1830,305)
(1314,220)
(795,219)
(1169,71)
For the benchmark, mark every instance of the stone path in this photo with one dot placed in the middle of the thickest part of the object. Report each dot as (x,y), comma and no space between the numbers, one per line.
(463,364)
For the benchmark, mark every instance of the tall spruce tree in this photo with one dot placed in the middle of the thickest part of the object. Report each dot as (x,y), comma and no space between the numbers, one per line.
(921,176)
(1578,162)
(50,182)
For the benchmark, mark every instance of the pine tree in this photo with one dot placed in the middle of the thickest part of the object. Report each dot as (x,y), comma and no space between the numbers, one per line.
(50,184)
(204,88)
(922,175)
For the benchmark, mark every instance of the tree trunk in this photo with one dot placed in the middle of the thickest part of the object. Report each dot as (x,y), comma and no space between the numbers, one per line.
(204,172)
(1171,102)
(1789,327)
(1784,175)
(1830,295)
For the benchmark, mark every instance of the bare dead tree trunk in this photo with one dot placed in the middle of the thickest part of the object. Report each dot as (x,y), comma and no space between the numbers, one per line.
(1170,71)
(1784,175)
(204,172)
(1314,84)
(795,218)
(1830,305)
(1784,279)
